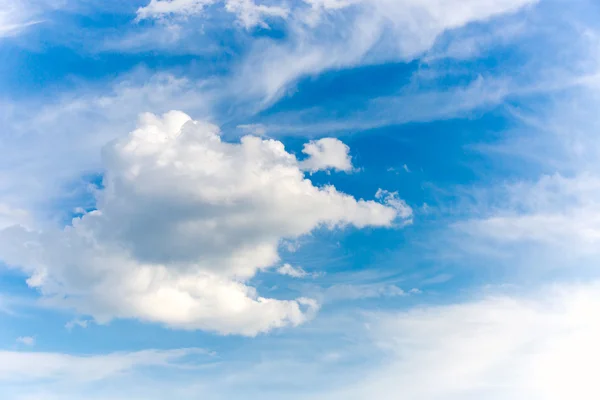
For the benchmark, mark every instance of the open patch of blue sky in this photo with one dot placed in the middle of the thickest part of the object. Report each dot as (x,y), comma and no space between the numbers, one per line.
(332,199)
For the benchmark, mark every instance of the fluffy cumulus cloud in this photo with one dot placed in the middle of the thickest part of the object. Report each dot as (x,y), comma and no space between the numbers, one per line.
(183,222)
(325,154)
(31,177)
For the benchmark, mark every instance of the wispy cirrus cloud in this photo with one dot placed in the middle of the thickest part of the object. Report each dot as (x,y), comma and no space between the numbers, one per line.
(16,17)
(33,366)
(248,13)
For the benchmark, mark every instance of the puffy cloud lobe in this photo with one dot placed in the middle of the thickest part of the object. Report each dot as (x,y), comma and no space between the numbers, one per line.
(183,221)
(325,154)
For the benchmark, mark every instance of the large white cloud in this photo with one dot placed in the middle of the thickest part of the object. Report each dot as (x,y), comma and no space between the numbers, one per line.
(538,346)
(184,220)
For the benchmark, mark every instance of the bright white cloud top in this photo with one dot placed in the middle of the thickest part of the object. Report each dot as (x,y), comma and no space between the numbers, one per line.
(183,221)
(325,154)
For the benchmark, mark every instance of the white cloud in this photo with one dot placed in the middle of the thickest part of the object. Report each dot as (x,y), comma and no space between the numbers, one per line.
(393,200)
(15,16)
(554,210)
(161,8)
(32,366)
(401,30)
(531,347)
(410,104)
(542,345)
(184,220)
(26,340)
(325,154)
(294,272)
(249,14)
(76,125)
(11,216)
(551,219)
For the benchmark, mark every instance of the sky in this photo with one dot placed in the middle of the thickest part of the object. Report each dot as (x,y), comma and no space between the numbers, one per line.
(299,199)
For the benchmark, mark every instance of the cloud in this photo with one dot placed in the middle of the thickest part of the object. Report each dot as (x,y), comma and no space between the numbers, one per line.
(554,210)
(379,30)
(76,125)
(538,346)
(11,216)
(15,17)
(393,200)
(294,272)
(248,13)
(344,292)
(549,216)
(411,103)
(26,340)
(325,154)
(161,8)
(398,30)
(183,221)
(33,366)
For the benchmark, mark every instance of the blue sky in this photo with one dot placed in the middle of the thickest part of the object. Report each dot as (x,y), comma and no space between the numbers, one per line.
(303,199)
